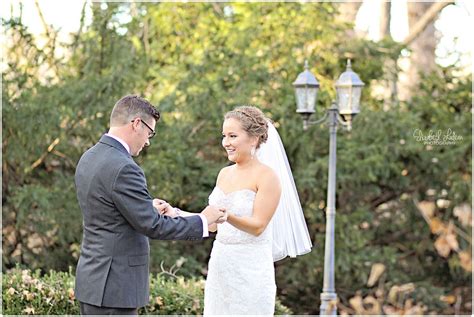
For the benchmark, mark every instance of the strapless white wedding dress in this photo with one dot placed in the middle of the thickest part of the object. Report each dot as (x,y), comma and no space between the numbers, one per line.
(241,275)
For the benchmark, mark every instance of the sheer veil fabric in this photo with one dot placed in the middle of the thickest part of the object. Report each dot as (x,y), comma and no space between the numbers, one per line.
(290,232)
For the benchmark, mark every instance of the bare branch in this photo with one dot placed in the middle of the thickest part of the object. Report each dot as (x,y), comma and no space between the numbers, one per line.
(51,35)
(81,25)
(43,156)
(425,20)
(43,21)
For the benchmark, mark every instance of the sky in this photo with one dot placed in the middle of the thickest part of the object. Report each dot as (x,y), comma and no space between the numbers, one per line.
(454,24)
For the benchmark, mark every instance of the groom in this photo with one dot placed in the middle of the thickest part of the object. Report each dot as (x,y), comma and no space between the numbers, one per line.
(119,217)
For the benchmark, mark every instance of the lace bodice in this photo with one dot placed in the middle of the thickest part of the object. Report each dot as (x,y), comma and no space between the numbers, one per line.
(239,203)
(241,276)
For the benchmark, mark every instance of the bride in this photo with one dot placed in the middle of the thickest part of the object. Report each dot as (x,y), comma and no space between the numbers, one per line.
(265,221)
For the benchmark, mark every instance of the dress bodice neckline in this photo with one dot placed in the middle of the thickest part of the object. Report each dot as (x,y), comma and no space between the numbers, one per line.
(236,191)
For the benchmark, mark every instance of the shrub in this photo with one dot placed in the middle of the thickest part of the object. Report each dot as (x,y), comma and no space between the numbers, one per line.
(25,292)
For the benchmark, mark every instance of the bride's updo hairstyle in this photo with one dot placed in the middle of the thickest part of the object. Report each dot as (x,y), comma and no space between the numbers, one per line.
(253,121)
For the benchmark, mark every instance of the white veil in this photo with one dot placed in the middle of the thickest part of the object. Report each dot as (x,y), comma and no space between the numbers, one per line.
(290,233)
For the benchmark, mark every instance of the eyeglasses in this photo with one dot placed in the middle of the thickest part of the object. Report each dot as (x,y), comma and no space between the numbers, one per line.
(152,132)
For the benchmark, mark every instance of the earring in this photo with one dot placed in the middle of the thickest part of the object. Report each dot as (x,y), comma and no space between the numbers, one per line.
(252,152)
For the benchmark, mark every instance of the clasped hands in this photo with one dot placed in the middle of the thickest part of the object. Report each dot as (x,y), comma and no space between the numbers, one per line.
(213,214)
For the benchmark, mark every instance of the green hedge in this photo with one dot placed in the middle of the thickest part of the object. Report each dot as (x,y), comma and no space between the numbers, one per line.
(26,292)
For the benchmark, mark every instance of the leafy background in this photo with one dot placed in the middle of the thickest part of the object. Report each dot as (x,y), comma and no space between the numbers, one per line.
(403,225)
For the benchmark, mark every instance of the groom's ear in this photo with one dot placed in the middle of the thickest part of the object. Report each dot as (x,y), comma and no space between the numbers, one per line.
(135,122)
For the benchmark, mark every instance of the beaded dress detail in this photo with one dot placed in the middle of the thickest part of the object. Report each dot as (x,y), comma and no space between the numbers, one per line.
(241,276)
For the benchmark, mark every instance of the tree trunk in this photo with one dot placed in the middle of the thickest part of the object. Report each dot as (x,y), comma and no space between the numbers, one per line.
(385,18)
(422,41)
(423,48)
(348,12)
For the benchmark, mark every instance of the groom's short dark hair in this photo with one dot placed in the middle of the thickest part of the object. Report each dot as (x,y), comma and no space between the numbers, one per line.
(130,107)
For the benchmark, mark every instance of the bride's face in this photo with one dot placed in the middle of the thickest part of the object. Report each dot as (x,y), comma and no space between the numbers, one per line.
(236,141)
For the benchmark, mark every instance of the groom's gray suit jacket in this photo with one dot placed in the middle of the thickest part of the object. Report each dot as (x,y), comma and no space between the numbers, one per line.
(118,218)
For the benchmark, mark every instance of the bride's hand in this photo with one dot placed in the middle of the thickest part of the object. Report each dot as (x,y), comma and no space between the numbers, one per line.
(223,218)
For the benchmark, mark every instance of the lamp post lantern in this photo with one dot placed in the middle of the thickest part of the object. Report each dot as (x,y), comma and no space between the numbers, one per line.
(306,92)
(349,88)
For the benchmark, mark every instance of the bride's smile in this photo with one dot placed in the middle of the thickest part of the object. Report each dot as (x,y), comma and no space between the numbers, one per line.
(237,143)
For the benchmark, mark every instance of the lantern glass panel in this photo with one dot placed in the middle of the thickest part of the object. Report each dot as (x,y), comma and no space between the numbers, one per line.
(348,99)
(306,98)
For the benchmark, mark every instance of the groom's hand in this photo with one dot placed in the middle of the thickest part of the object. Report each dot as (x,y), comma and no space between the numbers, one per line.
(213,214)
(163,207)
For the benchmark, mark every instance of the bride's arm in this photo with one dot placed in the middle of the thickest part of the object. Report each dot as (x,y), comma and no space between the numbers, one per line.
(266,202)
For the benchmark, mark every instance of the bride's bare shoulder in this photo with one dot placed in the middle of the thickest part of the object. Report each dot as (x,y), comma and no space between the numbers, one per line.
(268,180)
(223,172)
(266,172)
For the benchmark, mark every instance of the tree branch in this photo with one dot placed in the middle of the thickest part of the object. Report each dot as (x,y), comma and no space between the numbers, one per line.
(385,197)
(43,156)
(43,21)
(51,36)
(78,35)
(425,20)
